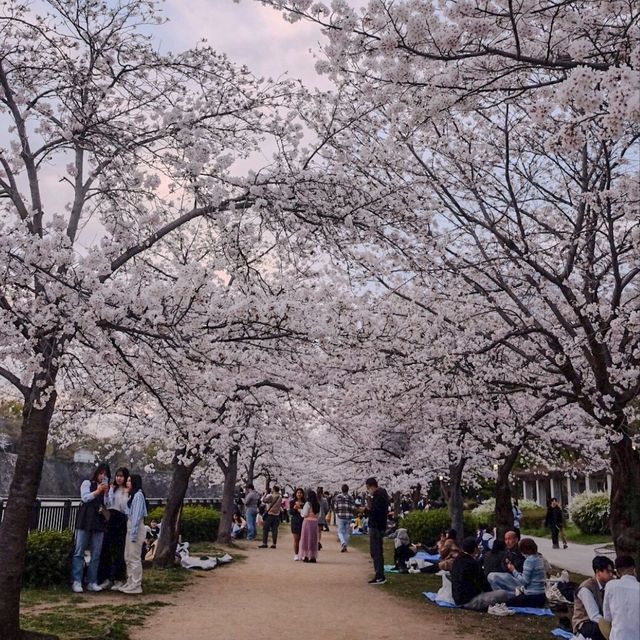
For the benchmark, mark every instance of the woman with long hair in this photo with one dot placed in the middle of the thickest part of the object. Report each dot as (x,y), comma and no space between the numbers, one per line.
(295,511)
(90,527)
(112,570)
(137,510)
(309,533)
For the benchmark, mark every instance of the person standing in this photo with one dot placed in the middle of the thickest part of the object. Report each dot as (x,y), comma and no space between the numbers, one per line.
(295,511)
(621,605)
(271,518)
(112,570)
(554,520)
(90,527)
(310,528)
(137,510)
(517,515)
(251,502)
(322,516)
(343,506)
(377,525)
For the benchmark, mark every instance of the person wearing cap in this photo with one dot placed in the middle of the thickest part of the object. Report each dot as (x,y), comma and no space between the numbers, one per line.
(621,606)
(589,599)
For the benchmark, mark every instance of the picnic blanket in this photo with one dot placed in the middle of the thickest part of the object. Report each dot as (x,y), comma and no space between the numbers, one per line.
(429,557)
(531,611)
(562,633)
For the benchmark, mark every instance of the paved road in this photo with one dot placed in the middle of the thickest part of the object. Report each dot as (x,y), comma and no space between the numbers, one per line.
(576,558)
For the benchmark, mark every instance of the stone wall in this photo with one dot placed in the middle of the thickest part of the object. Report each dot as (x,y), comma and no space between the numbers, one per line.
(63,478)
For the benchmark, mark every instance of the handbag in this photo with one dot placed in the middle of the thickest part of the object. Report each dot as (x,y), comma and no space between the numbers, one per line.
(104,512)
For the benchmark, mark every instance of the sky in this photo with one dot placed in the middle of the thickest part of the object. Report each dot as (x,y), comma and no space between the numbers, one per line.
(248,32)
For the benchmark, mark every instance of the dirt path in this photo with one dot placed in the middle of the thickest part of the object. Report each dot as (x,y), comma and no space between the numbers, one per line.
(270,597)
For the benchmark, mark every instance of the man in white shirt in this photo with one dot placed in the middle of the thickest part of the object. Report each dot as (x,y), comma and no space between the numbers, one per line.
(622,601)
(588,603)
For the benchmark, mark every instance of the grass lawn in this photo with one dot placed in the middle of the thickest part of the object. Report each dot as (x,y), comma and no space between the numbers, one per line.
(572,533)
(479,626)
(89,616)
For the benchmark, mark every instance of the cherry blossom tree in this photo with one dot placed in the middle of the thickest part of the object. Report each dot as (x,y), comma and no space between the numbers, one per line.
(112,147)
(510,131)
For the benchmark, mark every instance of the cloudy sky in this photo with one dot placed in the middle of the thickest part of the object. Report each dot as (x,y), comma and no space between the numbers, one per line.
(248,32)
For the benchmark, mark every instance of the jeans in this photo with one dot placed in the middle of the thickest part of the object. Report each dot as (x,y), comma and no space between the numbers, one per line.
(344,529)
(484,600)
(251,515)
(86,540)
(502,580)
(270,523)
(376,537)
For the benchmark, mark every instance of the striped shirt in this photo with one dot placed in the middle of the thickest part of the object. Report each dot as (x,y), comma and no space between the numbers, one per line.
(343,505)
(137,511)
(533,575)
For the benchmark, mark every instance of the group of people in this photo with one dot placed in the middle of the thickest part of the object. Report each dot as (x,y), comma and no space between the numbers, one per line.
(110,523)
(607,608)
(308,512)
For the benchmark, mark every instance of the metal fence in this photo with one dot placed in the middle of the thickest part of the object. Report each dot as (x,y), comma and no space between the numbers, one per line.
(61,513)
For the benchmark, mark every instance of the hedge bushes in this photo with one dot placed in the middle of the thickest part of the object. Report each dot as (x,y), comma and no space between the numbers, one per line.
(197,524)
(590,512)
(532,513)
(425,526)
(48,559)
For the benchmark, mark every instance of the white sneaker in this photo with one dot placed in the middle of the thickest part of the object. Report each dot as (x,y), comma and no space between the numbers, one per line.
(105,585)
(500,609)
(117,585)
(130,589)
(76,587)
(92,586)
(296,558)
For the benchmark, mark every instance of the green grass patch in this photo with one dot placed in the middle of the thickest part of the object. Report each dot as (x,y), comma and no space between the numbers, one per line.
(86,616)
(479,626)
(72,622)
(572,533)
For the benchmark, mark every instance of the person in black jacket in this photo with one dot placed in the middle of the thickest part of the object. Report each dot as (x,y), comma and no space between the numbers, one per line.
(554,520)
(377,526)
(90,527)
(469,585)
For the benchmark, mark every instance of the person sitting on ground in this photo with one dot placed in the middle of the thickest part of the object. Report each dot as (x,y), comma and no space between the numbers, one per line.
(449,551)
(621,606)
(484,538)
(503,579)
(238,526)
(532,578)
(356,525)
(469,585)
(403,550)
(589,600)
(493,561)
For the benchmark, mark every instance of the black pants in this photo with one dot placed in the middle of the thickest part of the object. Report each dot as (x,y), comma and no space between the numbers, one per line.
(270,523)
(112,566)
(591,630)
(537,600)
(555,532)
(376,550)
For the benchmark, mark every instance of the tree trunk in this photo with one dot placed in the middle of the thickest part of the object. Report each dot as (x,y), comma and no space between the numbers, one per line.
(230,470)
(455,497)
(397,504)
(625,498)
(170,529)
(416,493)
(504,506)
(22,495)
